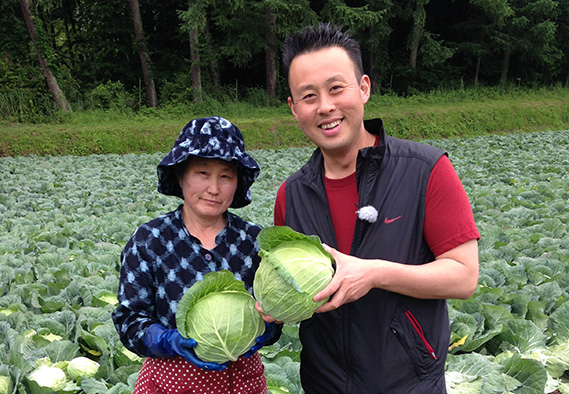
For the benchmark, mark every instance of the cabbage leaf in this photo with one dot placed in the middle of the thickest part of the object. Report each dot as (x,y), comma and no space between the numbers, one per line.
(220,315)
(294,268)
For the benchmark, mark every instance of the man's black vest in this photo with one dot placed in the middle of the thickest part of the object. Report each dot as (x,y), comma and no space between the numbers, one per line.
(384,342)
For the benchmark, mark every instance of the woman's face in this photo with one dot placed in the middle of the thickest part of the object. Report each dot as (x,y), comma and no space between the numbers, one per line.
(208,186)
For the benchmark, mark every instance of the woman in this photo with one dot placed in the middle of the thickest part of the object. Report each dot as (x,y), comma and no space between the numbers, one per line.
(209,169)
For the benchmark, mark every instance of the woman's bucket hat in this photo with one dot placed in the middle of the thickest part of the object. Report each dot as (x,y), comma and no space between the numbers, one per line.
(210,138)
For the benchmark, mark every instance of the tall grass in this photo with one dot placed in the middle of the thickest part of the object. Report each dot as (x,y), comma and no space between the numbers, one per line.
(437,114)
(22,105)
(472,112)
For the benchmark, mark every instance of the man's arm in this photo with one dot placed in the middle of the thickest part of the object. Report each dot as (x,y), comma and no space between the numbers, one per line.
(453,274)
(279,210)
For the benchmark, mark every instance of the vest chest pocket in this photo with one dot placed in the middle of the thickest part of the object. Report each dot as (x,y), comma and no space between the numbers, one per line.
(409,332)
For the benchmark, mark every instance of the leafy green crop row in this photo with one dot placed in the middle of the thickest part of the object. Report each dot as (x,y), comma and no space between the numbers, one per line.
(65,221)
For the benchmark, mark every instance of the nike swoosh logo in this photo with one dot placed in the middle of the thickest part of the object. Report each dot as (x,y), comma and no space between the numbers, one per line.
(387,221)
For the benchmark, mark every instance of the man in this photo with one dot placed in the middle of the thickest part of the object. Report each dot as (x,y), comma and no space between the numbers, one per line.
(396,219)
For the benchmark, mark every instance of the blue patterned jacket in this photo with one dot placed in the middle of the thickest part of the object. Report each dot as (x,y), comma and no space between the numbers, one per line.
(162,260)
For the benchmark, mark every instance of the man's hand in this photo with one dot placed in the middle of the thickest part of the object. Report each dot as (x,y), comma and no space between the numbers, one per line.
(453,274)
(351,281)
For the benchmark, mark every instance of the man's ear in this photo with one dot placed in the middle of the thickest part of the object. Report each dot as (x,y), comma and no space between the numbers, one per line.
(365,87)
(291,106)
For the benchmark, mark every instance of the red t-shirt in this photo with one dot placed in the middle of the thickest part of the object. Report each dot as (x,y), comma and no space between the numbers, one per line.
(448,216)
(343,202)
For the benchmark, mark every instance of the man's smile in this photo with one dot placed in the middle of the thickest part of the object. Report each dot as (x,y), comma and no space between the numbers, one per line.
(328,126)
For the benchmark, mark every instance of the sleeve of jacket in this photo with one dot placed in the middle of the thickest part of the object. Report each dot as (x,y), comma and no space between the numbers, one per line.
(136,310)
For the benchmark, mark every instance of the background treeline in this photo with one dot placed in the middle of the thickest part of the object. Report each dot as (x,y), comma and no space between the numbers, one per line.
(60,55)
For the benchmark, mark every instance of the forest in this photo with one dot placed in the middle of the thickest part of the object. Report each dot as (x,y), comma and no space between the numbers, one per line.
(62,55)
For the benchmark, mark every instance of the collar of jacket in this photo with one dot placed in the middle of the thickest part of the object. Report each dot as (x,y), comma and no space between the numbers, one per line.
(375,127)
(372,126)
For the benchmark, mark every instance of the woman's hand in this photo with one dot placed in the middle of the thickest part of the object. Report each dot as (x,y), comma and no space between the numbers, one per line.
(266,318)
(166,343)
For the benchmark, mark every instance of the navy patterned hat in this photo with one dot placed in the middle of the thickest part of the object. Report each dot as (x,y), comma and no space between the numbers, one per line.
(210,138)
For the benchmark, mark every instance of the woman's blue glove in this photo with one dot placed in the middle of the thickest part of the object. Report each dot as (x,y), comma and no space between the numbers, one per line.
(165,343)
(261,341)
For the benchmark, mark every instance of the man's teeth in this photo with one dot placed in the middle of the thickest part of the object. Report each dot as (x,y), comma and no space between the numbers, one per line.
(330,125)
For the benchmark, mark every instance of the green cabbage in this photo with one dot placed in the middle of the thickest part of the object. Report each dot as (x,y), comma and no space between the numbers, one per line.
(294,268)
(219,314)
(82,367)
(5,384)
(52,378)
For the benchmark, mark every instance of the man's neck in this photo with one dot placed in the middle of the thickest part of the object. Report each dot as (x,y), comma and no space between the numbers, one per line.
(342,163)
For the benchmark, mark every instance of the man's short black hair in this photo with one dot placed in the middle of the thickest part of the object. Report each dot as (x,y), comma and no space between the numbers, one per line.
(323,36)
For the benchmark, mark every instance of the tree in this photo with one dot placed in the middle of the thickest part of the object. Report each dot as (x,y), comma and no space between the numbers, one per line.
(144,55)
(428,45)
(270,53)
(234,46)
(252,31)
(195,68)
(524,28)
(563,39)
(212,57)
(101,36)
(374,42)
(281,19)
(50,79)
(469,32)
(193,23)
(369,24)
(417,31)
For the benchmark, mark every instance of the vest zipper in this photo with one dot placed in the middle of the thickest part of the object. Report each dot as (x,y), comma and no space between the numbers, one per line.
(419,331)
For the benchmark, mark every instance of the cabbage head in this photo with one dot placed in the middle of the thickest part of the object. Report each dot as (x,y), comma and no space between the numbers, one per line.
(294,268)
(52,378)
(220,315)
(82,367)
(5,384)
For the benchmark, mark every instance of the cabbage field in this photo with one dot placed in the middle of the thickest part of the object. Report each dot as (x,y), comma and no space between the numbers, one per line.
(64,221)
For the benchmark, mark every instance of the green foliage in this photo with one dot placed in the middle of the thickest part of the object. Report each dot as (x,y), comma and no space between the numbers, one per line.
(111,95)
(23,97)
(339,13)
(66,219)
(86,44)
(23,105)
(12,30)
(434,52)
(194,17)
(180,92)
(440,113)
